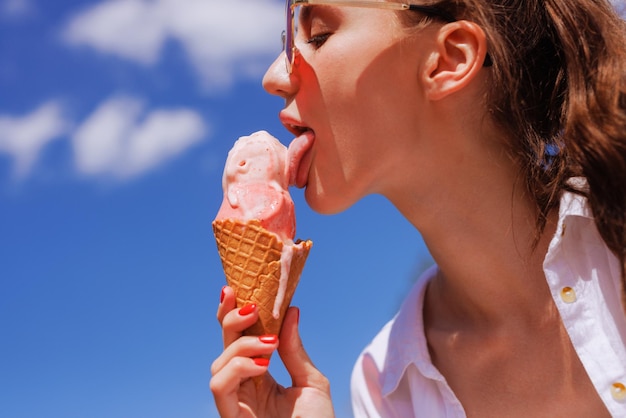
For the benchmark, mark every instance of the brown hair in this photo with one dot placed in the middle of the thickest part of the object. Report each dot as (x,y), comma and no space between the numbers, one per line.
(559,88)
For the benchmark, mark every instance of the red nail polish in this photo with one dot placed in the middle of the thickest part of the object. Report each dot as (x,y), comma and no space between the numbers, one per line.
(268,339)
(248,309)
(260,361)
(222,295)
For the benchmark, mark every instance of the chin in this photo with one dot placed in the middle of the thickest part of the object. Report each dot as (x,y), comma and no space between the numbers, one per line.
(325,203)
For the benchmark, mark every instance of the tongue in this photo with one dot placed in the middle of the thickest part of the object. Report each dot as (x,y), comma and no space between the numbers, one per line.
(296,170)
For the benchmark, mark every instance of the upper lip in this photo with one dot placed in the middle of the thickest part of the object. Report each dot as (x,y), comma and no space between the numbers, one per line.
(293,125)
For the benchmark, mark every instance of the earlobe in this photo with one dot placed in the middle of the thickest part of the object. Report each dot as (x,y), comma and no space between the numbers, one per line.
(461,48)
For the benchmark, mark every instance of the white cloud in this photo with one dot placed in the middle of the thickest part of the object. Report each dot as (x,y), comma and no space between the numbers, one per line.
(130,29)
(24,137)
(114,140)
(224,40)
(13,9)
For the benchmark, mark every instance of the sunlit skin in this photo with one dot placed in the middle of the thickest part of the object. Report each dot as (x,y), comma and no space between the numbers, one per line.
(339,90)
(401,114)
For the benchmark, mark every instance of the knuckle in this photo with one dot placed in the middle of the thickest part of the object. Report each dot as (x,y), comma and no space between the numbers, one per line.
(238,363)
(215,386)
(221,315)
(215,367)
(227,320)
(326,383)
(235,364)
(323,382)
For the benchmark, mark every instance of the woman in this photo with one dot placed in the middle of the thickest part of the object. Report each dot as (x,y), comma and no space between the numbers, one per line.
(498,129)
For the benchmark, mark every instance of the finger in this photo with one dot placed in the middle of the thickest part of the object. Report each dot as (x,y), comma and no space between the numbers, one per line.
(228,302)
(236,321)
(225,384)
(297,362)
(246,347)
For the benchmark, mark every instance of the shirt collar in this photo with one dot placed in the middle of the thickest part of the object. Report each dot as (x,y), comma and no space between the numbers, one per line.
(407,342)
(574,204)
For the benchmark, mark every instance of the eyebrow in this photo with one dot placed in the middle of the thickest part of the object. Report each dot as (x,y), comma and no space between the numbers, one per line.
(308,11)
(305,13)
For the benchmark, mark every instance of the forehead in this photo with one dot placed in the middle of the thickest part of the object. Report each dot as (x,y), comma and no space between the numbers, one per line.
(304,12)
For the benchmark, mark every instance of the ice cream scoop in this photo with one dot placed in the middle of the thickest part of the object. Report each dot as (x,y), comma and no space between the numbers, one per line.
(256,182)
(255,227)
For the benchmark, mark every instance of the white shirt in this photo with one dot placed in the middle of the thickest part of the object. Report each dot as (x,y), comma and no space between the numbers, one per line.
(394,375)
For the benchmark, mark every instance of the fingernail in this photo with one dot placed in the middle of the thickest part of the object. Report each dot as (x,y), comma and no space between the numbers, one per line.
(248,309)
(222,295)
(298,316)
(260,361)
(268,339)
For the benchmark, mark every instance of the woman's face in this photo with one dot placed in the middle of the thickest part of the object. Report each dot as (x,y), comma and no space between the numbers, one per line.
(355,84)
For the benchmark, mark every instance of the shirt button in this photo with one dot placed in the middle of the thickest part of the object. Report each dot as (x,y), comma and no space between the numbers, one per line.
(618,391)
(568,295)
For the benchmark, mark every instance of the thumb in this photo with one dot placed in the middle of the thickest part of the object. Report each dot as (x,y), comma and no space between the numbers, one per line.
(297,362)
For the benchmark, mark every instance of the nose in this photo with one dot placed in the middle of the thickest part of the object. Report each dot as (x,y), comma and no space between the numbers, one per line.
(278,81)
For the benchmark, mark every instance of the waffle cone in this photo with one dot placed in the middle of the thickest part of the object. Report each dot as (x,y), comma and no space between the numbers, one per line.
(250,257)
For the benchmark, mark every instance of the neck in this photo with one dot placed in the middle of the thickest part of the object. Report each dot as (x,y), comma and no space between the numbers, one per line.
(479,224)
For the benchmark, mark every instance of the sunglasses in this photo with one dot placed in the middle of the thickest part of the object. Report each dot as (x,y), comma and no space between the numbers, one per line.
(288,36)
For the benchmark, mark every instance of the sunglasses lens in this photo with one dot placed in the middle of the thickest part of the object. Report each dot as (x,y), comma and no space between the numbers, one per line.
(288,34)
(291,31)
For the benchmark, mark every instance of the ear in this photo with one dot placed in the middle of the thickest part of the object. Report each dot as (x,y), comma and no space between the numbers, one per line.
(460,52)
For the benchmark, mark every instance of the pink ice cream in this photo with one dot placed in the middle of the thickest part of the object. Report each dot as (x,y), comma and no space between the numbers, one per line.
(257,175)
(256,182)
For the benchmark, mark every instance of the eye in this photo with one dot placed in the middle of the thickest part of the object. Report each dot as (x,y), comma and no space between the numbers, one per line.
(318,40)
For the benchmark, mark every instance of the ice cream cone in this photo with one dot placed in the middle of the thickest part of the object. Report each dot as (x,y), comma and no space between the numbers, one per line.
(251,260)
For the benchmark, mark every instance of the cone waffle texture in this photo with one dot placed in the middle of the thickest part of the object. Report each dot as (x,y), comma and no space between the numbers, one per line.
(251,259)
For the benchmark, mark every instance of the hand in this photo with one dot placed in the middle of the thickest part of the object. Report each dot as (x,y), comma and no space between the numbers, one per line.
(241,385)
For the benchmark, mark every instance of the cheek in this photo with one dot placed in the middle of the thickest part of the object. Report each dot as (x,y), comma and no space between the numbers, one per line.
(354,141)
(345,155)
(355,107)
(342,171)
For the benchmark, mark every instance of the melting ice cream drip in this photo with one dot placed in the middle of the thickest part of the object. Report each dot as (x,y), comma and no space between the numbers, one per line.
(285,264)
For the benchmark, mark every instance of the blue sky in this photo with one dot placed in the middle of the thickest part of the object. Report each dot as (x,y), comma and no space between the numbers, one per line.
(115,120)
